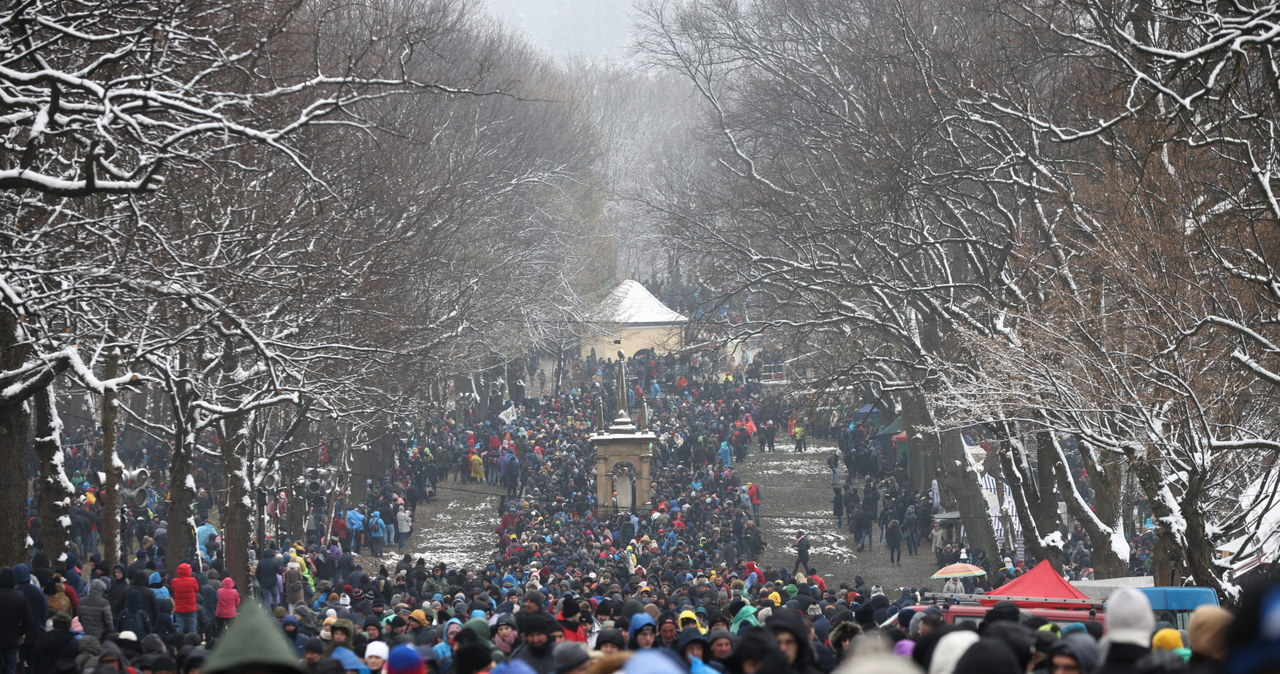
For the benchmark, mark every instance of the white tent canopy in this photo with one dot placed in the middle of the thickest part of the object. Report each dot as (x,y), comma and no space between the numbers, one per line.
(632,304)
(631,319)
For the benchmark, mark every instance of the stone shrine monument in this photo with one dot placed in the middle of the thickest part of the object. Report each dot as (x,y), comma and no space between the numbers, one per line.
(623,451)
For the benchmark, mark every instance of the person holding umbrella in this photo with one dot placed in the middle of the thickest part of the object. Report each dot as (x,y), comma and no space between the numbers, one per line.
(953,574)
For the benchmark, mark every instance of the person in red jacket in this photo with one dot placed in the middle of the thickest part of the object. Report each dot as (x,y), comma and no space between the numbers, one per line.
(570,620)
(185,588)
(228,602)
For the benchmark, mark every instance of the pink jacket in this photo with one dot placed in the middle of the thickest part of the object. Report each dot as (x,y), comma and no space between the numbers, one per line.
(228,600)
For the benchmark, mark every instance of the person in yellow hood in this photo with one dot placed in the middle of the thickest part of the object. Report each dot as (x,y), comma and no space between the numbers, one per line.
(688,618)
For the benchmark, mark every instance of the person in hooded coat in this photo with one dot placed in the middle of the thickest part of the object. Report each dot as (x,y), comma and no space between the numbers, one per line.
(111,659)
(16,620)
(480,627)
(116,586)
(35,598)
(87,656)
(744,618)
(156,583)
(641,621)
(792,634)
(1077,648)
(151,646)
(145,598)
(228,605)
(95,611)
(41,569)
(186,591)
(444,649)
(757,650)
(293,634)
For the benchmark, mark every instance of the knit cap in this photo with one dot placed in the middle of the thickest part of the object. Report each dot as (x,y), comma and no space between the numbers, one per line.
(1129,617)
(569,656)
(405,659)
(1166,639)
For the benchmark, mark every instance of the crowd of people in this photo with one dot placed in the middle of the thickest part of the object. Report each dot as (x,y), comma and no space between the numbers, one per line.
(573,585)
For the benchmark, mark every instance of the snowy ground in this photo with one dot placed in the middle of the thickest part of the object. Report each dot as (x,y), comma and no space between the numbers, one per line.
(457,528)
(797,496)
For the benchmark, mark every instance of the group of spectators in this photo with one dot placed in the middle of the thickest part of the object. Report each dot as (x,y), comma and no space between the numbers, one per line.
(573,585)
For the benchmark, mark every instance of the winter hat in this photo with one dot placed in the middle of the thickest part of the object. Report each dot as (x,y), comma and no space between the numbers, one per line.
(569,656)
(471,658)
(405,659)
(377,649)
(534,622)
(345,600)
(612,636)
(987,656)
(1129,617)
(1166,639)
(950,649)
(61,621)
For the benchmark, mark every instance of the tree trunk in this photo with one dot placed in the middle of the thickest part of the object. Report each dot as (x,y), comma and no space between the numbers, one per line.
(1107,563)
(963,483)
(1035,506)
(237,510)
(1108,497)
(109,499)
(1167,562)
(14,420)
(181,541)
(13,483)
(56,491)
(959,482)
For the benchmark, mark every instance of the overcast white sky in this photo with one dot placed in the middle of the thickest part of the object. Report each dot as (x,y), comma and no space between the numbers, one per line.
(596,29)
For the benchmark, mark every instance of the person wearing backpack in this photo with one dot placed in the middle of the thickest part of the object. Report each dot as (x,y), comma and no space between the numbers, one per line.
(377,533)
(135,617)
(141,610)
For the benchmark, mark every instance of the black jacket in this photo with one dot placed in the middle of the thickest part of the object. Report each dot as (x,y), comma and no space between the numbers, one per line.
(15,613)
(53,646)
(788,620)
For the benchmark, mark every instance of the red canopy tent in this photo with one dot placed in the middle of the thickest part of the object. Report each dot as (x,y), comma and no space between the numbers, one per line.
(1041,581)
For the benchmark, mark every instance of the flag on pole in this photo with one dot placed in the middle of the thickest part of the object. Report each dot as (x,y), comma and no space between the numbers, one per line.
(508,415)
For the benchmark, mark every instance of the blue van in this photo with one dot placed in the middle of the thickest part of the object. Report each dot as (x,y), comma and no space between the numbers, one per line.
(1178,602)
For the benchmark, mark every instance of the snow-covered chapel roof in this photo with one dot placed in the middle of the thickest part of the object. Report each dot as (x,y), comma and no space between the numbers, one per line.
(631,303)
